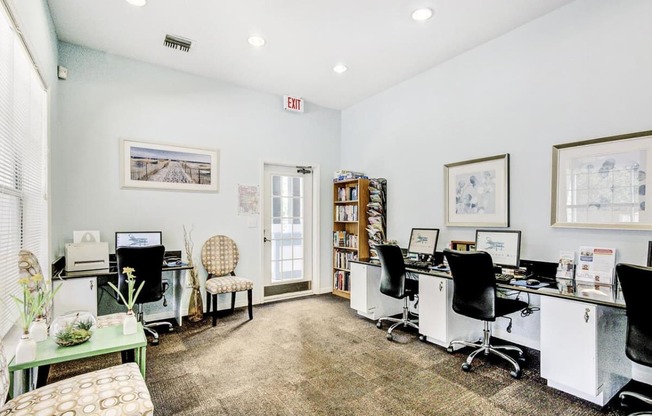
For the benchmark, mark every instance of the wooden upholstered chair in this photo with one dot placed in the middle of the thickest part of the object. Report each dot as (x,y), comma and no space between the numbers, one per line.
(219,255)
(119,390)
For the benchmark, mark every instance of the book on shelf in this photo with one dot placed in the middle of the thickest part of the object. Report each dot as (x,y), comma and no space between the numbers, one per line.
(346,213)
(343,259)
(341,280)
(344,239)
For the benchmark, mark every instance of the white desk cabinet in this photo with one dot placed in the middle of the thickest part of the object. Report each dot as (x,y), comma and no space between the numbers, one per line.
(583,348)
(438,322)
(366,298)
(78,294)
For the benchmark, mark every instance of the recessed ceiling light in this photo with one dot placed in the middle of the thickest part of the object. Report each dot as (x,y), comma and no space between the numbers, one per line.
(256,41)
(422,14)
(139,3)
(339,68)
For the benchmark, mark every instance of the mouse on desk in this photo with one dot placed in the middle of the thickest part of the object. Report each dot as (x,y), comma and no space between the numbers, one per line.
(532,282)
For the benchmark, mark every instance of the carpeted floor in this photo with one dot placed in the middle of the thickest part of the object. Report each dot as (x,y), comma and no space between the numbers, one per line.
(315,356)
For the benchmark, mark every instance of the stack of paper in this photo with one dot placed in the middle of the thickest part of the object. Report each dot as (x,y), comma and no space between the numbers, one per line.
(376,213)
(596,265)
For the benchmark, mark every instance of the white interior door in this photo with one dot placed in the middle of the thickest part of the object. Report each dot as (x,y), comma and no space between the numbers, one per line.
(287,231)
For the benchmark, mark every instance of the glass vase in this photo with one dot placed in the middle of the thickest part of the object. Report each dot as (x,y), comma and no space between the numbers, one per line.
(195,307)
(38,330)
(129,324)
(26,349)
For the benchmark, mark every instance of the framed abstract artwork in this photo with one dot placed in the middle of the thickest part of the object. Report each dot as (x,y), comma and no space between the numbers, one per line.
(477,192)
(161,166)
(602,183)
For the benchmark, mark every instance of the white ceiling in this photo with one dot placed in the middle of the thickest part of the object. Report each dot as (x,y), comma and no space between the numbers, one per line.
(376,39)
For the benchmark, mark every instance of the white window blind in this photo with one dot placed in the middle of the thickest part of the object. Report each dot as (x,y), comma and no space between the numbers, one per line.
(23,166)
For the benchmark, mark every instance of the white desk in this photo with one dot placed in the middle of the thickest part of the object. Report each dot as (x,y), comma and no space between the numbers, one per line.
(85,291)
(581,337)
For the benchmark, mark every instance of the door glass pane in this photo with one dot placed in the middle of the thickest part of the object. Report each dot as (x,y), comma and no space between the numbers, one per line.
(297,249)
(287,228)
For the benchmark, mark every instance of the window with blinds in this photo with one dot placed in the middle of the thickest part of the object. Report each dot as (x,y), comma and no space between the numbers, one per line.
(23,165)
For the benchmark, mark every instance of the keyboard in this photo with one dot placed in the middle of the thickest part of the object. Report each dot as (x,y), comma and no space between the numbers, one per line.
(414,264)
(504,278)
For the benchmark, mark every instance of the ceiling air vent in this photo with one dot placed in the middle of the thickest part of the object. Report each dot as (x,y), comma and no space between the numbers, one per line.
(176,42)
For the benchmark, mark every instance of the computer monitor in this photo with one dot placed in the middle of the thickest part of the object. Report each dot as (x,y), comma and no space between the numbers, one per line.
(138,238)
(423,241)
(503,245)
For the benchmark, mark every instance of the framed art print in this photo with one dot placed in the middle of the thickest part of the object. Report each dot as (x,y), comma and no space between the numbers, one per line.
(602,183)
(477,192)
(161,166)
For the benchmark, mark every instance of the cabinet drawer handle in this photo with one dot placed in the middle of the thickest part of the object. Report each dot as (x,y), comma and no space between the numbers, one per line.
(586,315)
(91,282)
(441,286)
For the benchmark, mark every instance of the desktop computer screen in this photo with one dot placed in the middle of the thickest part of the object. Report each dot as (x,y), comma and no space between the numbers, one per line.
(504,246)
(138,238)
(423,241)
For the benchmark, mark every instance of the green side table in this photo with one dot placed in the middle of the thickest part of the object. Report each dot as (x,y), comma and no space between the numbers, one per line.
(104,341)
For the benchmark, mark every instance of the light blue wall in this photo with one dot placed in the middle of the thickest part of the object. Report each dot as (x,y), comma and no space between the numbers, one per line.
(107,98)
(580,72)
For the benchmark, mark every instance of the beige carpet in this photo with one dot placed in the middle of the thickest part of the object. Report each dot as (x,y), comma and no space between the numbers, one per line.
(315,356)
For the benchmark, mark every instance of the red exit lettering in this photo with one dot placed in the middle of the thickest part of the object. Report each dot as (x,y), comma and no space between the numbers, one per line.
(293,104)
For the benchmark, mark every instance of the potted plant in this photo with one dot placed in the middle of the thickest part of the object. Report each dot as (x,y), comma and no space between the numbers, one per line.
(130,321)
(35,297)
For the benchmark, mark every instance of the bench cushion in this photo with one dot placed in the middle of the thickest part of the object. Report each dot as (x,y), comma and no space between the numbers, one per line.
(118,390)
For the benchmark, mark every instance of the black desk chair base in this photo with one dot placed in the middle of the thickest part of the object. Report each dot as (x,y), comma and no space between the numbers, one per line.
(623,396)
(484,346)
(148,326)
(404,320)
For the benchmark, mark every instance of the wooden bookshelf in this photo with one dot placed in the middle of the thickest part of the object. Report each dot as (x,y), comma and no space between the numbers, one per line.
(350,199)
(462,245)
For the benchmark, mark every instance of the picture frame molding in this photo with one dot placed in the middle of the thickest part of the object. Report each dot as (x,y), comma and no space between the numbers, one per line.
(125,167)
(557,151)
(503,195)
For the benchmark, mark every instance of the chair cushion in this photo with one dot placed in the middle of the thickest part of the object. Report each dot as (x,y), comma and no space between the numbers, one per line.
(118,390)
(228,284)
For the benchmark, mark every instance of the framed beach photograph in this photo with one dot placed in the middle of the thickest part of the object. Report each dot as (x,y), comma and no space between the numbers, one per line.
(477,192)
(161,166)
(602,183)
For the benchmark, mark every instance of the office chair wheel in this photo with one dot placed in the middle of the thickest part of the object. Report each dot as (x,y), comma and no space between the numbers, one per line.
(422,338)
(466,367)
(379,325)
(516,374)
(389,337)
(449,349)
(155,341)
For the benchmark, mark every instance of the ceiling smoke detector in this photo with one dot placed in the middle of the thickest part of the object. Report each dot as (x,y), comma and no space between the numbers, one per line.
(176,42)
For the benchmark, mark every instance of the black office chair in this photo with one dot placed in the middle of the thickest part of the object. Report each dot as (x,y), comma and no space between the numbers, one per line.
(147,263)
(474,295)
(636,283)
(393,282)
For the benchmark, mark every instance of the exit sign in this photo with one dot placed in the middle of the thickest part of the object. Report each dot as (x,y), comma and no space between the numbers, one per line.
(293,103)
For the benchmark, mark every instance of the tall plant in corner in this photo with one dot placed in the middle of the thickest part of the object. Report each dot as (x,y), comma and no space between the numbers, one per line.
(195,306)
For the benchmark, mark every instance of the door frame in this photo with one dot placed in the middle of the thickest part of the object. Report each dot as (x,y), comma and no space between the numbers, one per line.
(315,286)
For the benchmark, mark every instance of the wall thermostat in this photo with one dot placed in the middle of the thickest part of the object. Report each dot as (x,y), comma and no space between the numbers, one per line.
(62,72)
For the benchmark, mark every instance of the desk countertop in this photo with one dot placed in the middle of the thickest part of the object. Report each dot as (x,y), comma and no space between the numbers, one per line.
(112,271)
(606,295)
